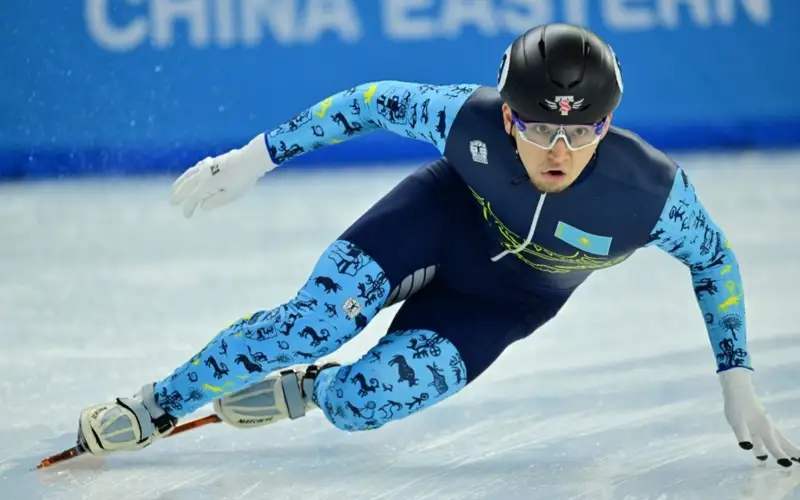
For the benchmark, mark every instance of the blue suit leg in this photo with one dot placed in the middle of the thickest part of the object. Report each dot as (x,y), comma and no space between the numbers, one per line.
(345,291)
(440,341)
(404,373)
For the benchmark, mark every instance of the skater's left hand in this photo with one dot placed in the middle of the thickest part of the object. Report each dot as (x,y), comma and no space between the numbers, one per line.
(753,427)
(214,182)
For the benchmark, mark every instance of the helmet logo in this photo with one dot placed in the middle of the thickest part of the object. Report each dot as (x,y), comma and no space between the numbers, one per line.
(502,72)
(564,103)
(617,71)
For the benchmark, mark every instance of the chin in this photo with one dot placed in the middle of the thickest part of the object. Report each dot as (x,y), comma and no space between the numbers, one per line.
(550,186)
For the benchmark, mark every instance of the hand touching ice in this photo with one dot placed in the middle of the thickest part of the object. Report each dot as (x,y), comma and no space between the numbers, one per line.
(753,427)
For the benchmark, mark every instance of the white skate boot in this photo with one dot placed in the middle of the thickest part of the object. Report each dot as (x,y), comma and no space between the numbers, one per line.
(284,394)
(127,424)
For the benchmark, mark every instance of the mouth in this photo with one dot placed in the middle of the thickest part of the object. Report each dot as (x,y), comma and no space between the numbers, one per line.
(554,173)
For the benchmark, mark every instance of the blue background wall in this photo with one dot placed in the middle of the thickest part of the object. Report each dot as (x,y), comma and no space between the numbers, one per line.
(150,86)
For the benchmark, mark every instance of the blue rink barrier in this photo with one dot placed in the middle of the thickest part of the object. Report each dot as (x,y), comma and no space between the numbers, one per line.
(119,87)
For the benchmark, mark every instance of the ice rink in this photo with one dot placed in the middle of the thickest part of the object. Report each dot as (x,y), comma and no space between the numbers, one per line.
(104,286)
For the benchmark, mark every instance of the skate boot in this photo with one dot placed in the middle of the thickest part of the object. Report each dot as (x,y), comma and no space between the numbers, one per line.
(284,394)
(127,424)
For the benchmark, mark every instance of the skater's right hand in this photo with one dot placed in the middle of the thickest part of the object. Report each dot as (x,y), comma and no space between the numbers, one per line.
(216,181)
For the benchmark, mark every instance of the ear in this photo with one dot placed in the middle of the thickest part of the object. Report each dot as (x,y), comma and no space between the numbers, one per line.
(607,126)
(507,121)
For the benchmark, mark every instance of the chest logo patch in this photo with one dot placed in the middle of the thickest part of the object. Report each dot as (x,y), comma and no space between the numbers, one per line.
(479,152)
(591,243)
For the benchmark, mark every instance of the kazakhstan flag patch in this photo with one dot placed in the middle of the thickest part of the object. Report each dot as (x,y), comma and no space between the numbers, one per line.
(592,243)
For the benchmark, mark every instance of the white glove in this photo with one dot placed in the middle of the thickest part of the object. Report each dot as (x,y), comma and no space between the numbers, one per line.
(213,182)
(753,427)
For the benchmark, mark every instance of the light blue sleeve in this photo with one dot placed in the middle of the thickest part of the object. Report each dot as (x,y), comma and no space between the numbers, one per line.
(414,110)
(687,232)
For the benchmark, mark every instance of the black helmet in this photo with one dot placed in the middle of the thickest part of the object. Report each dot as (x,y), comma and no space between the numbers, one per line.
(560,73)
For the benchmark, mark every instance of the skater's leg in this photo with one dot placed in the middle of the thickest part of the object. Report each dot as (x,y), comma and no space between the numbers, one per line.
(406,372)
(396,244)
(322,316)
(480,329)
(439,341)
(325,313)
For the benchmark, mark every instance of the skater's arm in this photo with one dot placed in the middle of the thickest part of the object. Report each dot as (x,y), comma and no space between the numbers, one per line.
(686,231)
(413,110)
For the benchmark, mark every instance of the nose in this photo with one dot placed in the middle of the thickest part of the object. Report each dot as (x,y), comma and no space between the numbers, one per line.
(560,152)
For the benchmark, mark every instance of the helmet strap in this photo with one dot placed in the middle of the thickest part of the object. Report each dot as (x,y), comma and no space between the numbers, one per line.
(513,141)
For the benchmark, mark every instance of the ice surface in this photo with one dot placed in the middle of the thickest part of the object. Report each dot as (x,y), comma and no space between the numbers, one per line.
(104,286)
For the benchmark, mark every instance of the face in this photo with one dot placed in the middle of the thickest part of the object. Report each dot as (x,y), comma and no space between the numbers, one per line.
(550,170)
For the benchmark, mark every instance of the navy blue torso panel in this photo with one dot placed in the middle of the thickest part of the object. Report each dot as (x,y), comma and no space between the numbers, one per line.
(598,222)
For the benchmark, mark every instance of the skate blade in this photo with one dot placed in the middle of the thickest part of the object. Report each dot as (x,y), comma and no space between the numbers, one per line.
(79,450)
(73,452)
